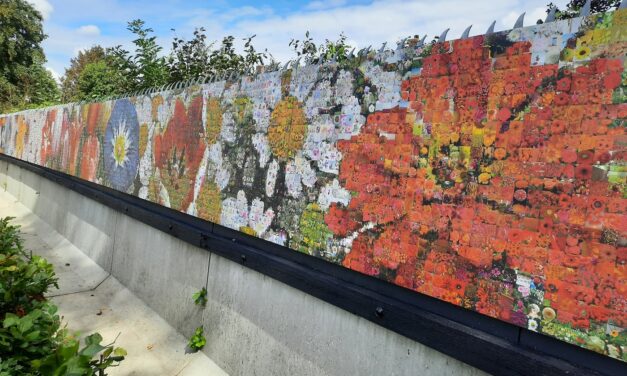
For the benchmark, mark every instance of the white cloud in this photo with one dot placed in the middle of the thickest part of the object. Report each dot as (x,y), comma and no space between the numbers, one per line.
(364,24)
(54,74)
(531,17)
(380,21)
(88,30)
(43,6)
(64,43)
(324,4)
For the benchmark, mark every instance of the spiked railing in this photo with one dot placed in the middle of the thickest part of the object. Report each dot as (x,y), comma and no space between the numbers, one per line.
(295,64)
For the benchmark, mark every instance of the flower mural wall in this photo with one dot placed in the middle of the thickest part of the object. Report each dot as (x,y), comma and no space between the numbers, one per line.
(488,172)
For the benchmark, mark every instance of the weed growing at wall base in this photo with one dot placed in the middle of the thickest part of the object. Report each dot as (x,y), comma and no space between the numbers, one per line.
(200,297)
(198,340)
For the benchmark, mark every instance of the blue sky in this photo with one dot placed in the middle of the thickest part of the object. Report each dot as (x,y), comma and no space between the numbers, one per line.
(73,25)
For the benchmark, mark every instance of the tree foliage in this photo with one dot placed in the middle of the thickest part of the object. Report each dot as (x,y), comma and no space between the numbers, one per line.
(144,68)
(330,50)
(574,6)
(190,58)
(70,81)
(24,82)
(99,80)
(21,34)
(101,72)
(196,58)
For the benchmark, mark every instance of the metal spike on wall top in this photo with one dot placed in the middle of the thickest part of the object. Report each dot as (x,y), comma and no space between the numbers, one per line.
(520,21)
(491,28)
(585,10)
(442,37)
(551,16)
(466,32)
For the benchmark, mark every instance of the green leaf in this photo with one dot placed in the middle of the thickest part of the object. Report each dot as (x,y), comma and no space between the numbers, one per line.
(95,338)
(67,351)
(77,366)
(92,350)
(32,336)
(10,320)
(25,324)
(119,352)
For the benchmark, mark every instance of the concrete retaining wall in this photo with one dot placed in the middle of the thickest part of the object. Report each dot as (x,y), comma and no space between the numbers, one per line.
(254,325)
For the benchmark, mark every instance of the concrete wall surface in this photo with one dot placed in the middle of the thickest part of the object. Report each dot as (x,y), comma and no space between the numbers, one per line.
(254,324)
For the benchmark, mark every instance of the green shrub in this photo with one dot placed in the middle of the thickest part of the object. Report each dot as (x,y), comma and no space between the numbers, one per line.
(31,339)
(23,280)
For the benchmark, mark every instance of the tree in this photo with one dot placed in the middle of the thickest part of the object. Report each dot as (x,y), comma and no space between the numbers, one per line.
(99,80)
(226,60)
(24,82)
(331,50)
(37,86)
(20,35)
(190,59)
(93,74)
(195,58)
(69,82)
(574,6)
(145,68)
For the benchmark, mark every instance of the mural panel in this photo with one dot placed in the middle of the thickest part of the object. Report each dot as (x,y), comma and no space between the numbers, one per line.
(488,172)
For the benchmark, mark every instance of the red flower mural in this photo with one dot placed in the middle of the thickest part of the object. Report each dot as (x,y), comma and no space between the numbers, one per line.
(179,150)
(485,174)
(95,120)
(48,146)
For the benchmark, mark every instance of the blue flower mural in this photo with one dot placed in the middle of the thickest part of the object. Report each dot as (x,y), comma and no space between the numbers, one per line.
(121,145)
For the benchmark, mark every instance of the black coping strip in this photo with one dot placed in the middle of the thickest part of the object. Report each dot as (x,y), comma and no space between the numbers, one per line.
(489,344)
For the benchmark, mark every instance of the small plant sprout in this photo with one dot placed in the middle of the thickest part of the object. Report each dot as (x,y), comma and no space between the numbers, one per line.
(198,340)
(200,297)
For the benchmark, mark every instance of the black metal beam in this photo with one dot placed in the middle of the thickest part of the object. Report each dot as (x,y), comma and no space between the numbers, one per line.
(483,342)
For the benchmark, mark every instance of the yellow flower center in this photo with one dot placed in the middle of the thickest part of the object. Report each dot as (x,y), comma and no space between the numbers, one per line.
(119,149)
